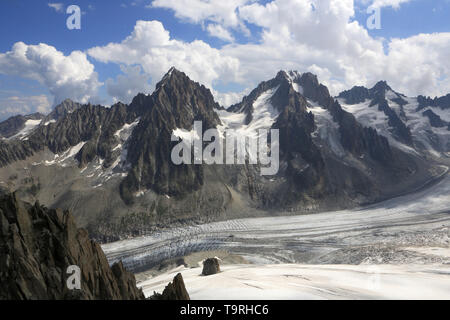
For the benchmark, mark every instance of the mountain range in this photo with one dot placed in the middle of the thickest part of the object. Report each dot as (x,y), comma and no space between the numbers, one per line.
(111,166)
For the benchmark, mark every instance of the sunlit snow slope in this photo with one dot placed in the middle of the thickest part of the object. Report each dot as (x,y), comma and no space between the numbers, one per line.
(294,282)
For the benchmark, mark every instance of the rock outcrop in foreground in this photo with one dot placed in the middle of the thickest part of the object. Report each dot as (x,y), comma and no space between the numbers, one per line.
(211,266)
(175,290)
(38,246)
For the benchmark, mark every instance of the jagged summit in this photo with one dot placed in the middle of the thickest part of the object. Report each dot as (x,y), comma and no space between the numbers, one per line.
(359,94)
(294,76)
(381,86)
(171,70)
(176,103)
(61,110)
(290,75)
(171,74)
(440,102)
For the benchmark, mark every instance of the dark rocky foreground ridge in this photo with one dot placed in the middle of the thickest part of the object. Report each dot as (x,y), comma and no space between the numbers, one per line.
(37,246)
(111,166)
(175,290)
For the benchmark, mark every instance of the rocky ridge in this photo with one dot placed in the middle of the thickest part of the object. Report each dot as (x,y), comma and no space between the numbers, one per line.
(38,245)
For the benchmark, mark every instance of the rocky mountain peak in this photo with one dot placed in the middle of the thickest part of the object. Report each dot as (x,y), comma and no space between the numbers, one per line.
(177,91)
(140,103)
(173,76)
(359,94)
(133,145)
(294,74)
(380,87)
(309,79)
(61,110)
(290,75)
(355,95)
(175,290)
(284,96)
(314,90)
(176,104)
(184,99)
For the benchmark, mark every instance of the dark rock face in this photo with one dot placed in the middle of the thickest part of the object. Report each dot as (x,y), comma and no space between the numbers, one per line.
(211,266)
(63,109)
(441,102)
(400,130)
(38,245)
(88,123)
(175,290)
(354,137)
(314,90)
(358,139)
(435,120)
(176,103)
(13,125)
(357,94)
(12,151)
(293,121)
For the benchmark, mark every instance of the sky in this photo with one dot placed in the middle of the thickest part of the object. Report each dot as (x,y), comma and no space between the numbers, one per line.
(125,47)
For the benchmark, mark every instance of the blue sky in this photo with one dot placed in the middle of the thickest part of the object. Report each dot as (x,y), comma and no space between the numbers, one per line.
(104,22)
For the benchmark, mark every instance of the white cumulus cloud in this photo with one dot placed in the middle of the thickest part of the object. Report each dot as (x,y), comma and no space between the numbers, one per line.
(59,7)
(151,47)
(420,64)
(386,3)
(71,76)
(126,86)
(216,30)
(14,105)
(221,13)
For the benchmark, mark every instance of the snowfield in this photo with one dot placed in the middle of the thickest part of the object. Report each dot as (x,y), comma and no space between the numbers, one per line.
(264,115)
(30,125)
(311,282)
